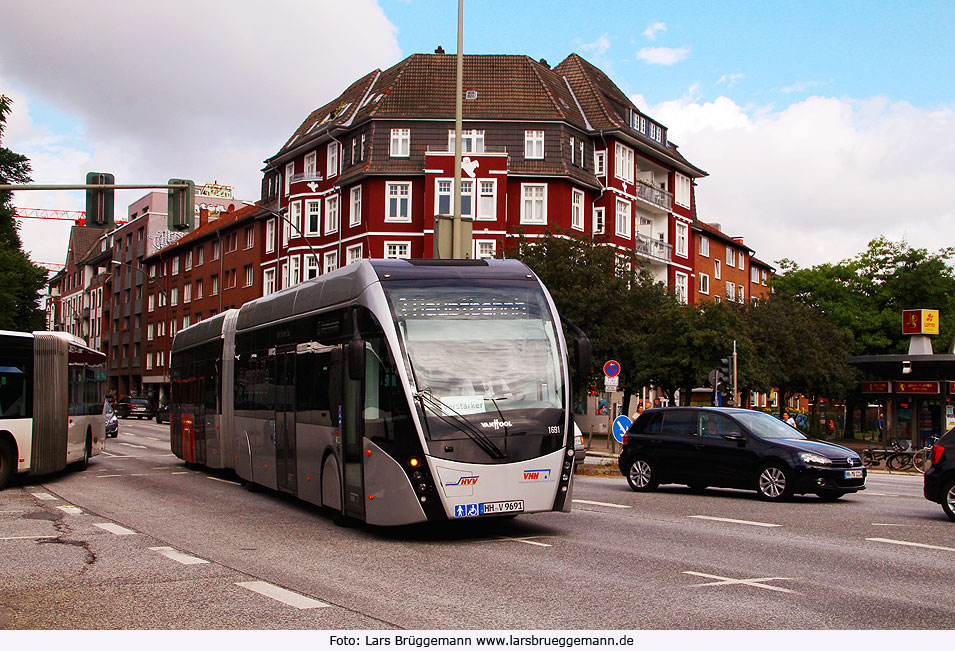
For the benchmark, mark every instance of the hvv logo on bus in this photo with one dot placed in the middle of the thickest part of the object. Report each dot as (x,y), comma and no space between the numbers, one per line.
(457,482)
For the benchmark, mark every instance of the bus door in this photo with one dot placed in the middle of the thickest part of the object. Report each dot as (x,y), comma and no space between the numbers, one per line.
(285,463)
(353,490)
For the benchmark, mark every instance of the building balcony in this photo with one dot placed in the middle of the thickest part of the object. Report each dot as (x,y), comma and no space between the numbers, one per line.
(653,250)
(306,176)
(660,199)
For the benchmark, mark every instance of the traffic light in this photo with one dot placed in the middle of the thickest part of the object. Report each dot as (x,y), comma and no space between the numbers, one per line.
(99,202)
(181,205)
(726,371)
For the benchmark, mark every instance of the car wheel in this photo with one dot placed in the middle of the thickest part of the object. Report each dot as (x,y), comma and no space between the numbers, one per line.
(948,499)
(830,496)
(774,483)
(642,475)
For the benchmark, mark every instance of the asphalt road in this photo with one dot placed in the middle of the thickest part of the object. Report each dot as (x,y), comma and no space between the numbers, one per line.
(139,541)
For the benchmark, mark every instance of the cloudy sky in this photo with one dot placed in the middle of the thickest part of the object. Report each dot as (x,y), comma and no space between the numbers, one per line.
(822,125)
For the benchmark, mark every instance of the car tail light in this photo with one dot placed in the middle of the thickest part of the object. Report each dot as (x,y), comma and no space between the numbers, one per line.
(626,438)
(937,451)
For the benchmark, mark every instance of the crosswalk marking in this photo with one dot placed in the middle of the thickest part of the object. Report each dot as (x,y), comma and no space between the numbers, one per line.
(756,583)
(287,597)
(43,496)
(72,510)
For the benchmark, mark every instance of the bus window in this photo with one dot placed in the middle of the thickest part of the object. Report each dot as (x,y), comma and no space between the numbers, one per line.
(13,403)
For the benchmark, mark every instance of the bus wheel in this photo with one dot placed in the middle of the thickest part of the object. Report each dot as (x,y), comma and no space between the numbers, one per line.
(8,463)
(87,452)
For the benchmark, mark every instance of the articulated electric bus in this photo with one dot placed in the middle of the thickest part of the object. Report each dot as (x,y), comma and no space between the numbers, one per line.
(389,391)
(52,394)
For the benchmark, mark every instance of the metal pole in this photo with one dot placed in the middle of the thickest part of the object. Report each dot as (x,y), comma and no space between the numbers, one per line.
(458,119)
(735,389)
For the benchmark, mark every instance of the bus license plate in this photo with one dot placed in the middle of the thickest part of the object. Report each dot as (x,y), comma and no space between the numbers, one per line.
(854,474)
(514,506)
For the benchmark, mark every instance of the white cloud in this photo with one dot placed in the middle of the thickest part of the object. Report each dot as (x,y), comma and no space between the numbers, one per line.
(801,86)
(730,80)
(664,56)
(816,181)
(202,90)
(598,48)
(651,32)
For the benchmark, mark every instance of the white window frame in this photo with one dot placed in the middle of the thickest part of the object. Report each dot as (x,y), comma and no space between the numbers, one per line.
(397,185)
(534,203)
(353,254)
(174,297)
(396,254)
(704,283)
(730,257)
(249,275)
(270,236)
(484,249)
(600,162)
(600,220)
(400,143)
(754,274)
(313,267)
(730,291)
(681,286)
(289,170)
(313,216)
(482,194)
(534,144)
(623,218)
(186,293)
(472,141)
(332,159)
(682,236)
(681,190)
(623,163)
(717,268)
(354,219)
(331,261)
(295,270)
(577,210)
(331,215)
(175,265)
(249,237)
(741,294)
(704,246)
(311,165)
(268,281)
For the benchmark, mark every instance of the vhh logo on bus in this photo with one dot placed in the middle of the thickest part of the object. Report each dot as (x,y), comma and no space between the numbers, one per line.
(537,475)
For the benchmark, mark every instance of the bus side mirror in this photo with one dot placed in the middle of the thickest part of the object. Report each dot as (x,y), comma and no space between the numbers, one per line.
(582,354)
(356,358)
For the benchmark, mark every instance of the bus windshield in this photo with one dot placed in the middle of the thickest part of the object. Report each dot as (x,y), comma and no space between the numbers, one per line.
(479,349)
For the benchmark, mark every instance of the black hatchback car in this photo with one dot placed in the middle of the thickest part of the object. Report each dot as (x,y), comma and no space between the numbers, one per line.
(940,477)
(735,448)
(136,408)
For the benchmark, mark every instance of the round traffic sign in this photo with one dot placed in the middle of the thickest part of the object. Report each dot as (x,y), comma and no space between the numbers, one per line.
(612,368)
(620,427)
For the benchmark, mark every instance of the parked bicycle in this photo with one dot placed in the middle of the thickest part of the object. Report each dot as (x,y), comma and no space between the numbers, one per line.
(918,460)
(873,457)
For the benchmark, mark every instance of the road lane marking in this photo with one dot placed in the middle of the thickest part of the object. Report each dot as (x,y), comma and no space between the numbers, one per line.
(26,537)
(287,597)
(892,524)
(114,528)
(43,496)
(141,447)
(911,544)
(224,481)
(521,539)
(102,476)
(613,506)
(178,556)
(749,522)
(181,472)
(72,510)
(756,583)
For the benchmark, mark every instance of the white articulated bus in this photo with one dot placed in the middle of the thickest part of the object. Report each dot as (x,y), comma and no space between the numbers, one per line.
(389,391)
(52,393)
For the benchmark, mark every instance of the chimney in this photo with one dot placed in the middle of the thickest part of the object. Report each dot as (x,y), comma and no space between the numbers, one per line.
(545,64)
(203,217)
(439,50)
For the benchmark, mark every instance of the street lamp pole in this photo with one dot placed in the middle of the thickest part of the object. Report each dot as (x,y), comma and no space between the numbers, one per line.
(165,296)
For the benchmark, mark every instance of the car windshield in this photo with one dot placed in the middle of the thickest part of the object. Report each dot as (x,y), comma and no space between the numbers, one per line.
(767,427)
(108,408)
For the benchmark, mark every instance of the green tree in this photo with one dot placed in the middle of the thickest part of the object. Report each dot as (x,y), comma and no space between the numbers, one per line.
(20,279)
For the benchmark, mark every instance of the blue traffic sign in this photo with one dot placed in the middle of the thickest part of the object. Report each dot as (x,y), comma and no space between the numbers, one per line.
(612,368)
(620,427)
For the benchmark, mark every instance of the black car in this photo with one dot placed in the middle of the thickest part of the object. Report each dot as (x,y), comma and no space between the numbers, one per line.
(940,477)
(735,448)
(136,408)
(162,414)
(112,424)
